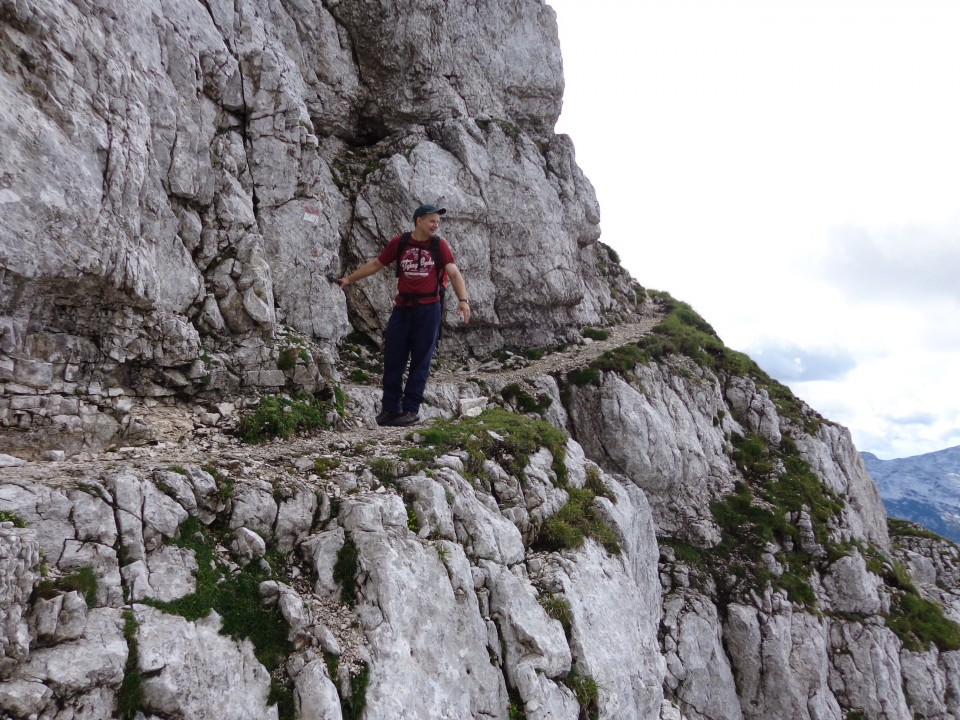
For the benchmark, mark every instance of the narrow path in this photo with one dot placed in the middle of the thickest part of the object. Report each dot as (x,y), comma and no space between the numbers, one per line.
(200,449)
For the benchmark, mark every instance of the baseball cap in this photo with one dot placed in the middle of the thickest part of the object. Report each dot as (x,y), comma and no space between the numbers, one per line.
(426,210)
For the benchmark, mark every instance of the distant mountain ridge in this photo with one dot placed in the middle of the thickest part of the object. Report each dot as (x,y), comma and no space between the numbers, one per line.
(923,488)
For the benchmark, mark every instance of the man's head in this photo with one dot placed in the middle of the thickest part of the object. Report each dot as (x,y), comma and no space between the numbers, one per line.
(426,219)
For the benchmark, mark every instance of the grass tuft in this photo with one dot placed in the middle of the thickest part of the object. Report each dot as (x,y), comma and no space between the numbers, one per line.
(277,416)
(345,571)
(236,598)
(576,521)
(83,581)
(12,517)
(507,437)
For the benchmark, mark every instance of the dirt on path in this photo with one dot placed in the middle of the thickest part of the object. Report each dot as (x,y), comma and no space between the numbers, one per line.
(209,445)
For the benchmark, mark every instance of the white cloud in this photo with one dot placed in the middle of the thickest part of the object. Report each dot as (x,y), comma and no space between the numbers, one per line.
(906,262)
(787,362)
(793,172)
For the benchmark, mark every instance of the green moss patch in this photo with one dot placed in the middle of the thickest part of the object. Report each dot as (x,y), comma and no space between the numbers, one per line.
(907,529)
(130,695)
(778,484)
(587,692)
(352,705)
(82,581)
(236,598)
(919,622)
(523,401)
(596,333)
(281,417)
(576,521)
(12,517)
(345,571)
(506,437)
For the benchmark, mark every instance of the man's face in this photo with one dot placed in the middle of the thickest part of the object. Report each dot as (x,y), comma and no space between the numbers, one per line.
(429,223)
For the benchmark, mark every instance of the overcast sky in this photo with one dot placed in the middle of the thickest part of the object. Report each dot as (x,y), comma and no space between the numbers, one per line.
(791,170)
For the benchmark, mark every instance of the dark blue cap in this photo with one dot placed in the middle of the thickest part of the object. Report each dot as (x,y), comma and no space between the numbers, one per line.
(426,210)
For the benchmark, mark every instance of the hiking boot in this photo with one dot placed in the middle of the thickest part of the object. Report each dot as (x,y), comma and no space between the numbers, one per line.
(386,418)
(404,419)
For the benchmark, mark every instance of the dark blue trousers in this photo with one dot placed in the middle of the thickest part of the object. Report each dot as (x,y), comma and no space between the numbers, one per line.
(410,338)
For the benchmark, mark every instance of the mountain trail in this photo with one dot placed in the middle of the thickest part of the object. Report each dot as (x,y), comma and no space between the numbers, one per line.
(178,445)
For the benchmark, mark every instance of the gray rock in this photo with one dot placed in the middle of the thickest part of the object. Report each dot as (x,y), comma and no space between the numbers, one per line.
(409,596)
(321,551)
(315,695)
(19,555)
(187,665)
(254,507)
(247,545)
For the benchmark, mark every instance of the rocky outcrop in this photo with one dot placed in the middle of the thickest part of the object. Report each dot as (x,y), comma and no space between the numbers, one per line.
(178,179)
(654,530)
(440,587)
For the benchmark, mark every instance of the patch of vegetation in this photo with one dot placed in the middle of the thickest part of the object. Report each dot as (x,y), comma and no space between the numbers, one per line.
(324,465)
(223,482)
(359,376)
(179,470)
(83,581)
(130,695)
(576,521)
(508,438)
(360,351)
(761,512)
(588,375)
(413,522)
(915,620)
(12,517)
(345,571)
(683,332)
(278,416)
(919,622)
(594,483)
(587,692)
(905,528)
(596,333)
(559,609)
(236,598)
(287,361)
(351,707)
(690,555)
(505,354)
(620,360)
(384,469)
(515,709)
(523,401)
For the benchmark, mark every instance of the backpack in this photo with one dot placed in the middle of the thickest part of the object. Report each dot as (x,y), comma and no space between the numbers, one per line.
(438,266)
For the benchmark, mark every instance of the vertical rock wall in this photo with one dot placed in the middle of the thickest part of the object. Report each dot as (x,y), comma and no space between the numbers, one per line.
(177,178)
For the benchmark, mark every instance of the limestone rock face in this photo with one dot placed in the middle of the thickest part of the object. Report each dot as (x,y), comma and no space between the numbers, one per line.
(19,554)
(194,671)
(179,179)
(176,181)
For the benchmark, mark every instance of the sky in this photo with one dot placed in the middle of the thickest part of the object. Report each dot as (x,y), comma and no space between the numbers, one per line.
(792,171)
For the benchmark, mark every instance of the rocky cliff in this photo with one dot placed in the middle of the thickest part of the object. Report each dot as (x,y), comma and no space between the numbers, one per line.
(197,518)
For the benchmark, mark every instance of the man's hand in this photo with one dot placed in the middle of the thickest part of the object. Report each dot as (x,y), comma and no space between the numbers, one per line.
(463,310)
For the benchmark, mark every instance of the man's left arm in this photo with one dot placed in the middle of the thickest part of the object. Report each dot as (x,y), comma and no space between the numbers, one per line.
(459,287)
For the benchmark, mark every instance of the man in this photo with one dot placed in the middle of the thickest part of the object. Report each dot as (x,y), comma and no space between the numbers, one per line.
(414,325)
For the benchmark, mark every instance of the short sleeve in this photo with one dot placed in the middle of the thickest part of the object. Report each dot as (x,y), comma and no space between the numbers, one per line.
(389,253)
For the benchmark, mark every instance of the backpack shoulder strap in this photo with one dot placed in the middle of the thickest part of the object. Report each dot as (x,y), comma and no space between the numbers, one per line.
(404,241)
(435,251)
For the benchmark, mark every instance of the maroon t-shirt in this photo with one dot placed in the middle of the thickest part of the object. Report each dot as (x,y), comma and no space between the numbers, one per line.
(418,276)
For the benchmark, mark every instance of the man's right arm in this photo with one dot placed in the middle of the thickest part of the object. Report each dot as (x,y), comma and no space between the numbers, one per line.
(367,269)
